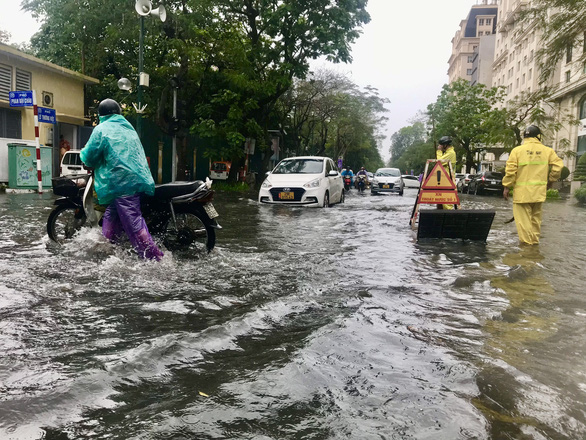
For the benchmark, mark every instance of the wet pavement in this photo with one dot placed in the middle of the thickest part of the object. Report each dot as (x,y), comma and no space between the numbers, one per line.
(301,324)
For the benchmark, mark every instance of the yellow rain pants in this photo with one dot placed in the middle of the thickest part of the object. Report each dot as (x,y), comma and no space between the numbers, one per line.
(528,221)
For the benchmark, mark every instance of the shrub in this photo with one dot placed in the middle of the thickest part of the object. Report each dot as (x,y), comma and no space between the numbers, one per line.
(580,172)
(552,194)
(580,194)
(230,186)
(565,173)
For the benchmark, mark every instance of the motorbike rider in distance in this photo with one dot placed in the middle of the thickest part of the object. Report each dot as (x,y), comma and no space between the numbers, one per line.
(121,174)
(347,173)
(362,172)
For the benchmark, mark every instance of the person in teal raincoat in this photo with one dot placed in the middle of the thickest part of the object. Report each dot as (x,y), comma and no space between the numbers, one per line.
(121,174)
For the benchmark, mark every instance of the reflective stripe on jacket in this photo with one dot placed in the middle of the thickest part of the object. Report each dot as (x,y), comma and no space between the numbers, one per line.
(528,171)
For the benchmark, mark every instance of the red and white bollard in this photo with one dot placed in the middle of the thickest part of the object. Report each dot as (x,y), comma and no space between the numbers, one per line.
(39,169)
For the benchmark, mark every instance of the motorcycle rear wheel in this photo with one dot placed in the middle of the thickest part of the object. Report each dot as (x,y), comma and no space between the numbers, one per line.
(194,233)
(64,221)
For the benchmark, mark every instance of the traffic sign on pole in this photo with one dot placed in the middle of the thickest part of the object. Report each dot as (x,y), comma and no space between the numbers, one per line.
(47,115)
(22,98)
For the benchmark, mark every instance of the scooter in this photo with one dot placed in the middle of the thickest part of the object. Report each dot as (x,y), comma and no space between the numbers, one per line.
(360,182)
(347,182)
(181,214)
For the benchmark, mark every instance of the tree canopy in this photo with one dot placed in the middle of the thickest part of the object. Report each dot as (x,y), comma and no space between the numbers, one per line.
(234,58)
(563,23)
(328,114)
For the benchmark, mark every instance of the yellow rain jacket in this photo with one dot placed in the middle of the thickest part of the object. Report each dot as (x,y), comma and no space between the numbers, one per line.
(448,155)
(528,171)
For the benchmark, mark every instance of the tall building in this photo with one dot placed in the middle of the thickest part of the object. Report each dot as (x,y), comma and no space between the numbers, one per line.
(471,46)
(516,68)
(515,64)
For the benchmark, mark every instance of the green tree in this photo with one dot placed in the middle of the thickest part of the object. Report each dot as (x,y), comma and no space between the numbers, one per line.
(531,108)
(328,114)
(4,36)
(563,23)
(405,138)
(235,58)
(415,157)
(468,114)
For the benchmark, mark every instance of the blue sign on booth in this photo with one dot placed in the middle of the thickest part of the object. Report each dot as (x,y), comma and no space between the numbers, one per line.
(21,99)
(47,115)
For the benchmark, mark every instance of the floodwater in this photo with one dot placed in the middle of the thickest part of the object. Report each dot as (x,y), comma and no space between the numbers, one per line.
(301,324)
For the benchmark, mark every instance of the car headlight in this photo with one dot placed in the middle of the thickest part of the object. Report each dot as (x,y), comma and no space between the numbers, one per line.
(313,184)
(375,182)
(266,184)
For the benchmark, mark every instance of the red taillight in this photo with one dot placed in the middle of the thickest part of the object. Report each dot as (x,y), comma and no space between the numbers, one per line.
(483,179)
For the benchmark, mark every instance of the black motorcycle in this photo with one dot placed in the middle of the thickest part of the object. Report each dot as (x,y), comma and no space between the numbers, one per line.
(180,214)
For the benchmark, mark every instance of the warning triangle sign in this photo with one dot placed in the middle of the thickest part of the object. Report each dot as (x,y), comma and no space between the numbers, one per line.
(438,178)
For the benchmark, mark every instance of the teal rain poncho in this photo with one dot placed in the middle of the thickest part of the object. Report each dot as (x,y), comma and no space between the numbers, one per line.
(117,156)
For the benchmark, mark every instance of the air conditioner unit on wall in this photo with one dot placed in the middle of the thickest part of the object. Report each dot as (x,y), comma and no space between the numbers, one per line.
(47,99)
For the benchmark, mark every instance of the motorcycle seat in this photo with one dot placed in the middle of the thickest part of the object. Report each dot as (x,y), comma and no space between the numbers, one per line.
(175,189)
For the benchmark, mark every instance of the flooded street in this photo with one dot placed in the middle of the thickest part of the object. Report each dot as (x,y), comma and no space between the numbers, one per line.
(301,324)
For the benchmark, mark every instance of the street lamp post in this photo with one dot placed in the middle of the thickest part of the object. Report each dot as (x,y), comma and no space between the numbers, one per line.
(144,8)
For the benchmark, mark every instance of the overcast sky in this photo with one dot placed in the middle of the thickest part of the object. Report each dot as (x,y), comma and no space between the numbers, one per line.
(403,51)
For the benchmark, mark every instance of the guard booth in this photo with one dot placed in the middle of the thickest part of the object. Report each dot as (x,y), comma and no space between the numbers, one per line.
(438,188)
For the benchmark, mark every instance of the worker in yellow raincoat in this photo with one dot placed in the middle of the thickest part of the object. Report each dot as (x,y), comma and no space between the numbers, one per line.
(446,154)
(530,167)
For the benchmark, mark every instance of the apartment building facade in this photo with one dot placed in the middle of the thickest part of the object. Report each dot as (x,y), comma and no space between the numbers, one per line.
(472,56)
(516,68)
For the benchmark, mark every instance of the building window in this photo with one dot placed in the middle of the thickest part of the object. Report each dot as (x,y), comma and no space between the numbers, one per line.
(530,73)
(5,81)
(468,71)
(568,76)
(488,21)
(523,81)
(569,54)
(10,124)
(481,22)
(23,80)
(582,139)
(470,58)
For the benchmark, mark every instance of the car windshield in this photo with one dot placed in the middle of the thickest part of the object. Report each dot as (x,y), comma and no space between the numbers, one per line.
(493,175)
(299,166)
(388,172)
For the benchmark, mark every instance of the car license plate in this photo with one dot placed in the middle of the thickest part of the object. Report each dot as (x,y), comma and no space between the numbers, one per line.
(493,182)
(210,210)
(386,186)
(287,195)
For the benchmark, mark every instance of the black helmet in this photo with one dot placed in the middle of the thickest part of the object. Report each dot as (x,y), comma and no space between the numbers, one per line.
(445,140)
(532,131)
(109,107)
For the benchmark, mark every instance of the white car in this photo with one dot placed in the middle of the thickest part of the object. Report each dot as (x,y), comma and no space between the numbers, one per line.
(410,181)
(387,180)
(71,164)
(304,180)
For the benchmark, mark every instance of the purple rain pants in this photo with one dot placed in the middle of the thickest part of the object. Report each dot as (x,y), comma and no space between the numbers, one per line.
(124,215)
